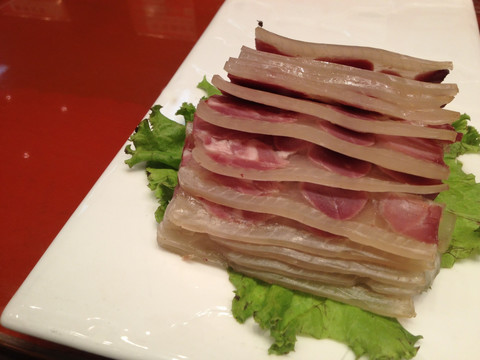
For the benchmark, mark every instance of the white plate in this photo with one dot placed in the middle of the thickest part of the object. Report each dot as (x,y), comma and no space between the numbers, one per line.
(105,286)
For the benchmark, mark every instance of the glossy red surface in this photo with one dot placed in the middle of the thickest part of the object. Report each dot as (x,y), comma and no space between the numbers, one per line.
(76,77)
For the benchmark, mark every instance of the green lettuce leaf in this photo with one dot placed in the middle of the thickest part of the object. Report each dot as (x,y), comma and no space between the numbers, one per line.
(162,182)
(187,110)
(209,89)
(470,142)
(158,142)
(463,197)
(286,314)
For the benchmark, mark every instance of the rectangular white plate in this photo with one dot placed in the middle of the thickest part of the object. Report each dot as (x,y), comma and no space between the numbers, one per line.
(105,286)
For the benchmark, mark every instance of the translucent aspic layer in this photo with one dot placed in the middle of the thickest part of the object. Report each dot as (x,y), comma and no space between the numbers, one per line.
(300,78)
(415,156)
(349,118)
(401,224)
(201,247)
(248,227)
(363,57)
(278,158)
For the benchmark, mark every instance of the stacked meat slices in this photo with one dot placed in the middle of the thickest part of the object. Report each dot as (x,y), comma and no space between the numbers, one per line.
(316,169)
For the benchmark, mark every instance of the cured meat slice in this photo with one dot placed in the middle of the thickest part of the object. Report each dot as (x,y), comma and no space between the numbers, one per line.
(311,265)
(246,73)
(300,81)
(412,179)
(291,160)
(363,57)
(419,148)
(299,168)
(200,246)
(367,227)
(339,204)
(314,267)
(238,149)
(365,139)
(260,152)
(255,188)
(304,128)
(199,215)
(411,216)
(339,163)
(378,85)
(250,263)
(347,118)
(290,145)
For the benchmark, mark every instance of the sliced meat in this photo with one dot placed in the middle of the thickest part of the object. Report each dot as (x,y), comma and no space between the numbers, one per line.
(339,204)
(296,79)
(299,168)
(357,56)
(339,163)
(306,129)
(200,247)
(427,149)
(375,84)
(289,159)
(290,145)
(350,118)
(412,179)
(200,215)
(412,216)
(234,148)
(365,228)
(365,139)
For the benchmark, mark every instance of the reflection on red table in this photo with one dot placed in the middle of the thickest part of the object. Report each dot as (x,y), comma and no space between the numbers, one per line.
(76,77)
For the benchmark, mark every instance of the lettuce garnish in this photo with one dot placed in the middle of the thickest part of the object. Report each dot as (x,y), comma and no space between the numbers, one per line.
(209,89)
(158,142)
(286,314)
(463,197)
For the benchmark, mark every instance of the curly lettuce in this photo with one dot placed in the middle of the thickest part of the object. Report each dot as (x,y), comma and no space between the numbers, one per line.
(158,142)
(286,314)
(463,197)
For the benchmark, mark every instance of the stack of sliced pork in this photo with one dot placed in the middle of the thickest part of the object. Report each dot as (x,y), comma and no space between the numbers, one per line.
(316,169)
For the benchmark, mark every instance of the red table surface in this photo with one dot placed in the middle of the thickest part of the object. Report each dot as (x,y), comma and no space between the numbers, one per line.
(76,77)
